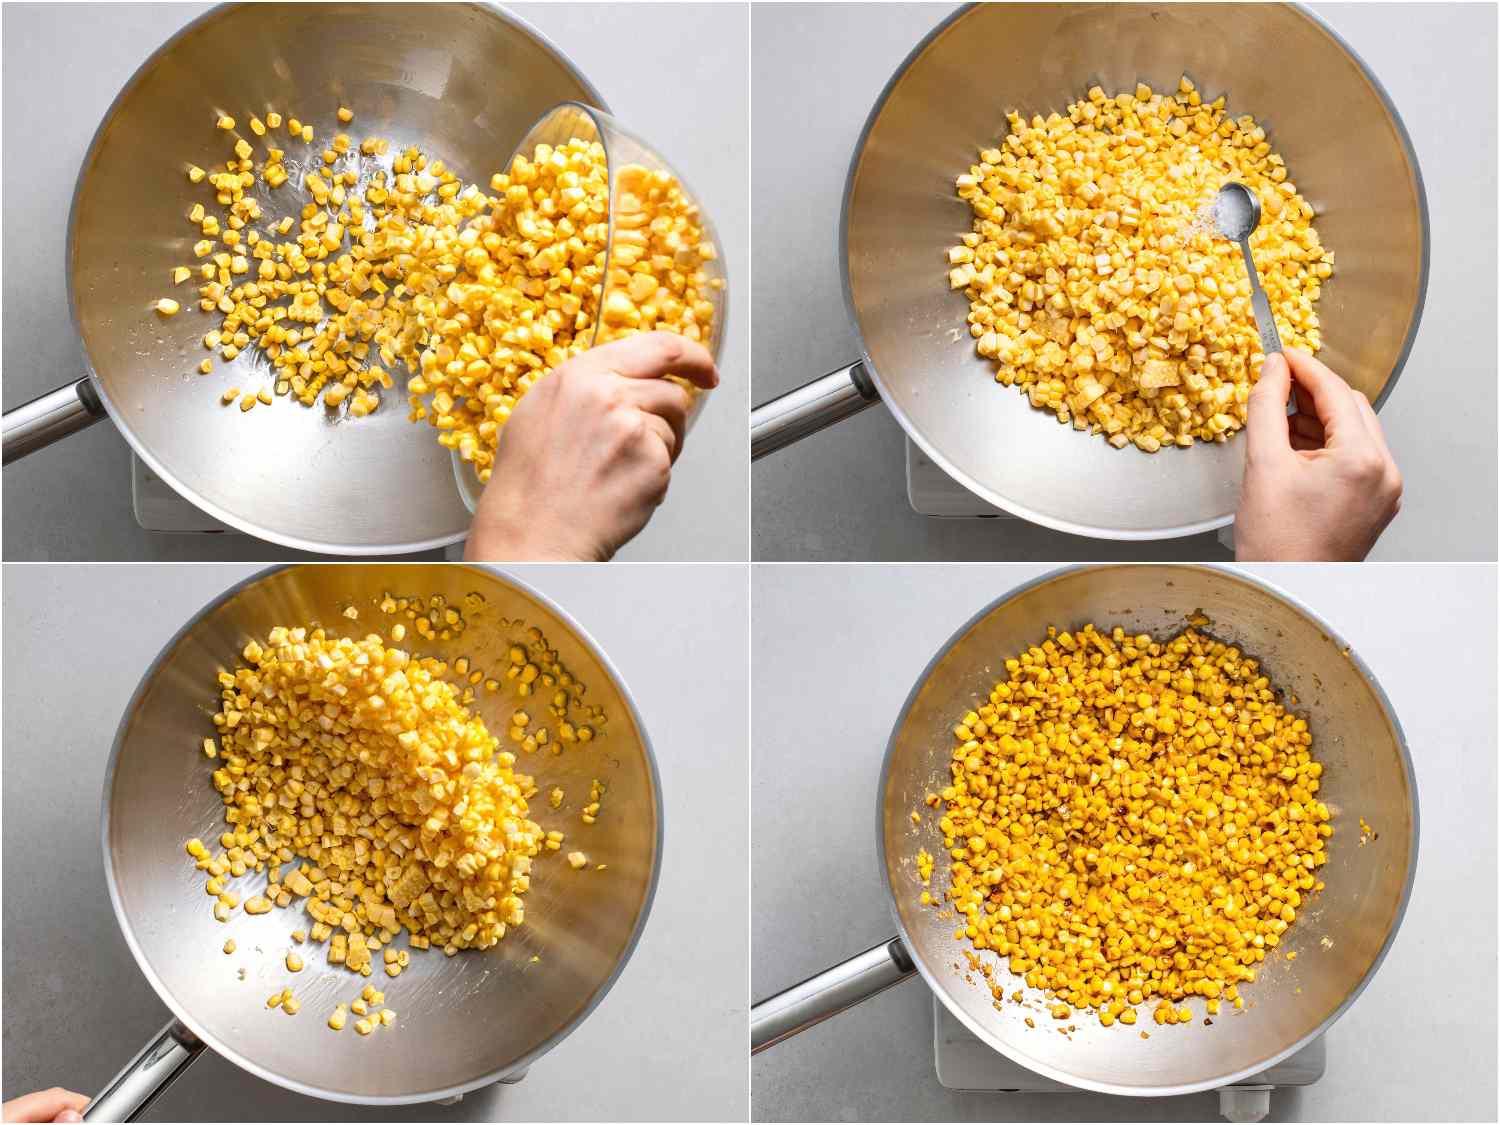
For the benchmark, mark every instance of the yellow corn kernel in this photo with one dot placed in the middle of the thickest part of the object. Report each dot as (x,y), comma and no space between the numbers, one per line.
(181,274)
(167,307)
(577,860)
(205,368)
(387,1017)
(229,395)
(290,1004)
(364,1027)
(339,1017)
(293,962)
(195,173)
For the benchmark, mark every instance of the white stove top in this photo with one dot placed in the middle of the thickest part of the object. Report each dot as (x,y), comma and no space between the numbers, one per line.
(967,1065)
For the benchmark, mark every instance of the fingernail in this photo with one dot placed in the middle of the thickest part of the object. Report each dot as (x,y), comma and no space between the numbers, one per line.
(69,1115)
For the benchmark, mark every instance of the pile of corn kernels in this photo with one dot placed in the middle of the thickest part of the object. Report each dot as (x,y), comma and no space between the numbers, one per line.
(1097,288)
(1129,820)
(477,296)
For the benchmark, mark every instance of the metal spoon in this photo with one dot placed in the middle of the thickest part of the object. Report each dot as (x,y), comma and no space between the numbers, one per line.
(1236,215)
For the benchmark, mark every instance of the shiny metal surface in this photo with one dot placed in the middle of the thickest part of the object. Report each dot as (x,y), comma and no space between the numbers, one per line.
(1238,214)
(1325,114)
(811,407)
(828,993)
(465,1021)
(147,1076)
(50,417)
(463,81)
(1340,935)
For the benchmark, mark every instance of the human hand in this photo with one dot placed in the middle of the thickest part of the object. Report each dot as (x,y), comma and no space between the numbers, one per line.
(587,453)
(55,1104)
(1319,485)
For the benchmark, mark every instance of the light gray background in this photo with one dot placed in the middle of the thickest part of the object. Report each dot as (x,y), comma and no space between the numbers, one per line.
(817,70)
(835,651)
(675,73)
(668,1042)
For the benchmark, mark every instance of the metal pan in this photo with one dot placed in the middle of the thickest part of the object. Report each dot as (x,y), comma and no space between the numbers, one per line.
(1341,935)
(463,81)
(1326,114)
(465,1021)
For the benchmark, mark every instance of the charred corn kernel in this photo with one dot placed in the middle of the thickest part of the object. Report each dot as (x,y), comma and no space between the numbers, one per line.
(577,860)
(167,307)
(225,122)
(345,115)
(1130,819)
(293,962)
(364,1027)
(339,1017)
(1096,283)
(181,274)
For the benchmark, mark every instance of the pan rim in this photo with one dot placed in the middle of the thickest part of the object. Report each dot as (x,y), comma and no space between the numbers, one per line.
(119,417)
(1005,503)
(214,1043)
(1260,1066)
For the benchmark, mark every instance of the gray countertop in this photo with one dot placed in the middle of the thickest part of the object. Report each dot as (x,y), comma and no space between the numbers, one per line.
(64,64)
(836,649)
(816,71)
(666,1043)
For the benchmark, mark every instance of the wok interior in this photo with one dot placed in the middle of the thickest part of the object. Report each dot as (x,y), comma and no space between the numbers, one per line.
(462,1019)
(1322,114)
(1338,934)
(461,81)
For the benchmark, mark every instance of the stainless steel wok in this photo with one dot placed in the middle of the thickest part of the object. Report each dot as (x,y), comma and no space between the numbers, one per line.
(1341,934)
(462,81)
(464,1022)
(1325,113)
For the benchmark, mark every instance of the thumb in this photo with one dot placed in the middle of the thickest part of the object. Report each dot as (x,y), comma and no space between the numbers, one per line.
(68,1115)
(1268,436)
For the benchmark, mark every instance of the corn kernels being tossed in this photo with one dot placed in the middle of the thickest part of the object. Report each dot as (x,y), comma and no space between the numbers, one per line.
(1130,819)
(1096,283)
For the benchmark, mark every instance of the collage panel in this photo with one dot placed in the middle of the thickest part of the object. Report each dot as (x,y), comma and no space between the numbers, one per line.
(339,395)
(580,994)
(939,259)
(993,813)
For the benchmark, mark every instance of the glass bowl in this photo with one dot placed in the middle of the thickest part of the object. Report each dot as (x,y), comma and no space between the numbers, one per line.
(626,156)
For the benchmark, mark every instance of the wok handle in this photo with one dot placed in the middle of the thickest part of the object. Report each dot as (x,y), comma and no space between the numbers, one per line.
(146,1076)
(828,993)
(810,408)
(50,418)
